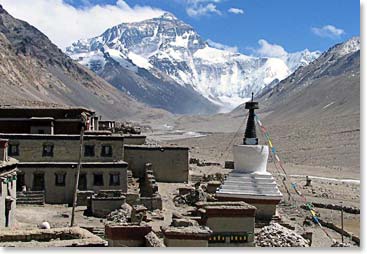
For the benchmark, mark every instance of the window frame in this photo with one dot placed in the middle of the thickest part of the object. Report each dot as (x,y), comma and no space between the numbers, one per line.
(94,179)
(63,174)
(103,154)
(16,153)
(45,153)
(112,174)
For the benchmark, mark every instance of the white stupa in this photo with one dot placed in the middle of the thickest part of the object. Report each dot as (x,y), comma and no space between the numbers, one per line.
(250,181)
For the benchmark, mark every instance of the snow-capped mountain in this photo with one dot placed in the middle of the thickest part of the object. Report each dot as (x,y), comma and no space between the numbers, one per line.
(167,46)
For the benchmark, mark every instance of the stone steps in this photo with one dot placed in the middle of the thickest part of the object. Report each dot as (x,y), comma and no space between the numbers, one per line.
(31,198)
(98,231)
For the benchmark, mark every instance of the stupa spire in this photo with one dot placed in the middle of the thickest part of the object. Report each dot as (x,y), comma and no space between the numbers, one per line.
(250,133)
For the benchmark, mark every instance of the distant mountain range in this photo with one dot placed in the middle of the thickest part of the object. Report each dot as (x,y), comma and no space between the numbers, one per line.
(34,72)
(161,60)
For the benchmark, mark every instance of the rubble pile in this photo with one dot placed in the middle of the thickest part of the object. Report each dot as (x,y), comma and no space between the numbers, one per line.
(339,244)
(214,177)
(193,196)
(276,235)
(203,163)
(127,128)
(121,215)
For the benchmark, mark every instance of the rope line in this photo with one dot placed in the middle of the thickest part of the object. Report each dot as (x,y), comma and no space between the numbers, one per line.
(293,185)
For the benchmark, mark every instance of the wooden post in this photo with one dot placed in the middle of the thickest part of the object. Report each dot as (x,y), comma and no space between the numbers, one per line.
(342,220)
(77,176)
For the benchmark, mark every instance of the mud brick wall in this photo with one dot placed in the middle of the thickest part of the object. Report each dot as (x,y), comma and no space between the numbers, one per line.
(134,139)
(127,235)
(101,207)
(65,147)
(64,194)
(169,164)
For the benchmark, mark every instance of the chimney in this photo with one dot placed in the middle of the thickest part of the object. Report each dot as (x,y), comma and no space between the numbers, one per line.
(3,150)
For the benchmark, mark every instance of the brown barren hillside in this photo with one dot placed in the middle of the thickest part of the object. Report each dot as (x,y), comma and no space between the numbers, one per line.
(33,71)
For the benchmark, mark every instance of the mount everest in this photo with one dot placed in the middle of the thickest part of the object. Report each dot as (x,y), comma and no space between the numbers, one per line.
(165,63)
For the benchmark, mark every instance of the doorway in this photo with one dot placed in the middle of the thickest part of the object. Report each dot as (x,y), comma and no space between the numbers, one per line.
(38,181)
(20,181)
(82,182)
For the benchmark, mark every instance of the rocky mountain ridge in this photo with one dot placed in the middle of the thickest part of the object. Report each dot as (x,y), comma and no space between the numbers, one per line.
(34,72)
(168,45)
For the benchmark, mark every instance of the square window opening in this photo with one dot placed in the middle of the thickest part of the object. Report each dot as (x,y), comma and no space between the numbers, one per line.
(114,179)
(89,150)
(98,179)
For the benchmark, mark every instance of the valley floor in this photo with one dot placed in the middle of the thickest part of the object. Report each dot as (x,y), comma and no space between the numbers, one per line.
(331,184)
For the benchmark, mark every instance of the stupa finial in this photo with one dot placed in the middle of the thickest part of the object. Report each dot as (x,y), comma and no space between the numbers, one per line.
(250,133)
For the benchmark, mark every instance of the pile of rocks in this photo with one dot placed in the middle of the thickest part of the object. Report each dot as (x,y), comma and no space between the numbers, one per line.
(127,128)
(276,235)
(338,244)
(121,215)
(193,196)
(203,163)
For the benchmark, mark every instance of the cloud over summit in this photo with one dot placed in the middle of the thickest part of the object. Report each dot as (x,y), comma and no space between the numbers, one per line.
(64,24)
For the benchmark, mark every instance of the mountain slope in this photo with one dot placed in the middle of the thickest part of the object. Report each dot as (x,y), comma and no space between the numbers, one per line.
(329,85)
(173,47)
(33,71)
(313,116)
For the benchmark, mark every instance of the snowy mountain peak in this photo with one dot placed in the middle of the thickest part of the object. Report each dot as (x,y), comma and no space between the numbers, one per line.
(168,45)
(350,46)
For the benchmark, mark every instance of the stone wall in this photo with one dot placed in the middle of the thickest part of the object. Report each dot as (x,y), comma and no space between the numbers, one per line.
(64,194)
(126,235)
(101,207)
(65,147)
(58,237)
(134,139)
(233,223)
(170,164)
(191,236)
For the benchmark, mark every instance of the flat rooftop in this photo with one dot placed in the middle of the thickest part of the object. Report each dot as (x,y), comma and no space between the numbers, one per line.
(26,136)
(56,237)
(155,147)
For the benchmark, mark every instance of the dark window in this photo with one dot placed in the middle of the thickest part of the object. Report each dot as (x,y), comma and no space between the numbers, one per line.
(13,150)
(106,151)
(41,131)
(48,150)
(60,179)
(89,150)
(114,179)
(82,182)
(98,179)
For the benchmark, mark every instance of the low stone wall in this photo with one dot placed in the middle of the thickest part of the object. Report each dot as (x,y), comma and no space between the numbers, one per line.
(105,202)
(152,240)
(347,209)
(192,236)
(233,223)
(152,203)
(332,226)
(127,235)
(82,199)
(57,237)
